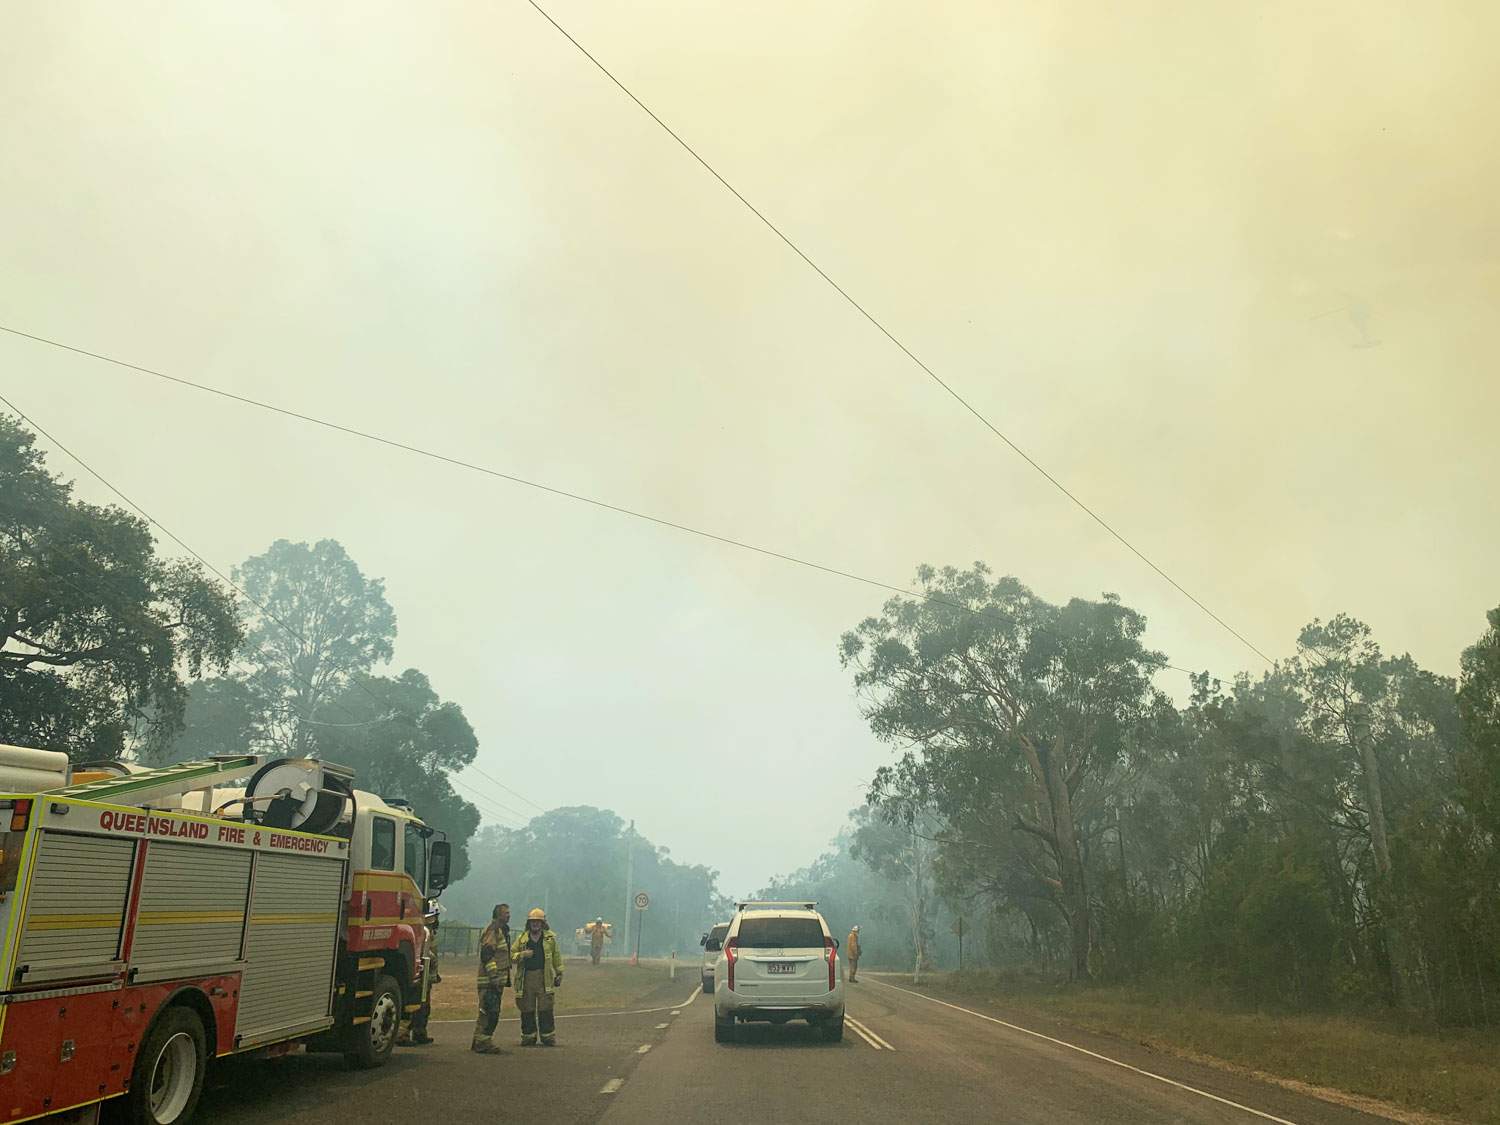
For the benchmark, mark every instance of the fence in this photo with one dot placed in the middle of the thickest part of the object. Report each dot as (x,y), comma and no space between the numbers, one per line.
(459,940)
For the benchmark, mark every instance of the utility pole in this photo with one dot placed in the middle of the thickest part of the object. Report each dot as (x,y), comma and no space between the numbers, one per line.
(629,881)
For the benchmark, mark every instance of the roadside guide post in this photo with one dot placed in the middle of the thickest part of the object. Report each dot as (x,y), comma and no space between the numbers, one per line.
(958,928)
(642,900)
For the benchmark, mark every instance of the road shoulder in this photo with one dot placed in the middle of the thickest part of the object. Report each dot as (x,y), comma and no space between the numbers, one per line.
(1270,1094)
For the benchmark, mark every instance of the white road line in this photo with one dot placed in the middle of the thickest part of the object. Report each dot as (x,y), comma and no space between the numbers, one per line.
(861,1032)
(662,1025)
(612,1085)
(643,1048)
(1092,1054)
(867,1031)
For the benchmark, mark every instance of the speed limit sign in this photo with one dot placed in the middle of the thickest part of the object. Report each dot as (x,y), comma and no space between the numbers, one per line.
(642,900)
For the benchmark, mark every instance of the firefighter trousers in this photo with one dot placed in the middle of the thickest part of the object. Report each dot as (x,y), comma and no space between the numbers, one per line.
(489,1011)
(535,1003)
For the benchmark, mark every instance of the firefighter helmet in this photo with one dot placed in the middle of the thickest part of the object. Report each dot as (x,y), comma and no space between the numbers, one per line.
(537,915)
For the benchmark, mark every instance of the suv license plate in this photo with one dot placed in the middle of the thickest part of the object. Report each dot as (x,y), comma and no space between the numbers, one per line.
(780,967)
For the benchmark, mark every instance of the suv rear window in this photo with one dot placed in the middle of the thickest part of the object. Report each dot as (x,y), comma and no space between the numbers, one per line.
(780,933)
(715,940)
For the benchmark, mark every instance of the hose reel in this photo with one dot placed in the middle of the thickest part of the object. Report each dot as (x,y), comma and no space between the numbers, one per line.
(300,793)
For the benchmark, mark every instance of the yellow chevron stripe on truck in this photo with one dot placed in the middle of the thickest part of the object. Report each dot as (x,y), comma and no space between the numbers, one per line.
(73,921)
(187,917)
(382,881)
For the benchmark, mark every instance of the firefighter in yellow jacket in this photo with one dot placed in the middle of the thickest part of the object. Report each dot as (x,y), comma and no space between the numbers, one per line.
(851,954)
(494,975)
(539,969)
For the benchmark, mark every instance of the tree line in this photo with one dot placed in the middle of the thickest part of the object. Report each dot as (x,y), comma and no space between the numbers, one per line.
(108,651)
(1322,834)
(573,863)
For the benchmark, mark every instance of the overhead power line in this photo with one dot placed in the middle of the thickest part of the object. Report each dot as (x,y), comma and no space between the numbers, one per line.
(154,522)
(510,810)
(485,803)
(484,470)
(947,387)
(507,788)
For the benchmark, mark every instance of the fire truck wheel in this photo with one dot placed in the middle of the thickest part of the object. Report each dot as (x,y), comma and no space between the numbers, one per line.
(168,1075)
(370,1043)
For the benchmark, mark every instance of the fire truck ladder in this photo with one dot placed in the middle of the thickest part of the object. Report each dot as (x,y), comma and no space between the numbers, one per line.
(168,781)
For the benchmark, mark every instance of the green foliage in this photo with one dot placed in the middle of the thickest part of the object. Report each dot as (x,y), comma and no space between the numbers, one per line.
(221,718)
(403,741)
(1264,924)
(1479,708)
(865,879)
(317,622)
(1323,836)
(98,636)
(1020,717)
(304,686)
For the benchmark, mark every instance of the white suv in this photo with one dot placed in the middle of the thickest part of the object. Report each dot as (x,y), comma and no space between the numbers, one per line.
(779,963)
(713,944)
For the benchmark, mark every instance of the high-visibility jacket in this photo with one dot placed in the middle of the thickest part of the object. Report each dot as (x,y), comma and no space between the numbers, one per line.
(851,946)
(552,961)
(494,957)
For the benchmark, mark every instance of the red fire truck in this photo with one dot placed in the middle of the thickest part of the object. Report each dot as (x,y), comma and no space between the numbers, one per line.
(154,920)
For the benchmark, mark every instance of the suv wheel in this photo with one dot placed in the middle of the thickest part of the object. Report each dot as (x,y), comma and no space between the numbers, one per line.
(833,1030)
(723,1030)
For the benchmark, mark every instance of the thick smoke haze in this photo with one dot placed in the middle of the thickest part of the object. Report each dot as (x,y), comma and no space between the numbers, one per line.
(1229,272)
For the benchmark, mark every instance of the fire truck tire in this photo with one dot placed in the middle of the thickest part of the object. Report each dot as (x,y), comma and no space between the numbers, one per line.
(370,1043)
(167,1078)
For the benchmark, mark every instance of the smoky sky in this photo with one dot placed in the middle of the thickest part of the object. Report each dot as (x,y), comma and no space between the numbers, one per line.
(1229,272)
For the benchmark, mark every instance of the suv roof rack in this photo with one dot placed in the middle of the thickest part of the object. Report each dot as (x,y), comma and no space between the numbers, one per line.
(772,904)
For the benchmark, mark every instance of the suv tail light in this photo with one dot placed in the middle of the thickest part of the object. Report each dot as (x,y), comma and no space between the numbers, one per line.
(832,958)
(731,954)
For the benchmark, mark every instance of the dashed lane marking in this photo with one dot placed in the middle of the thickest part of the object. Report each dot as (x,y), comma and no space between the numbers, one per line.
(643,1048)
(868,1032)
(612,1085)
(1093,1055)
(662,1025)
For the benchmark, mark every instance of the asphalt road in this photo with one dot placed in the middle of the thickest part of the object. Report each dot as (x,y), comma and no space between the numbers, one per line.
(447,1084)
(904,1056)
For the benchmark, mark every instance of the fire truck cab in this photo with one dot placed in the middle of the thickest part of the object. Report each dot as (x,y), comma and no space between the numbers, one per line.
(153,920)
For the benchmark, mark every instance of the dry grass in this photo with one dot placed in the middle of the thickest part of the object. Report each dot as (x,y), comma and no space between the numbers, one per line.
(612,986)
(1456,1074)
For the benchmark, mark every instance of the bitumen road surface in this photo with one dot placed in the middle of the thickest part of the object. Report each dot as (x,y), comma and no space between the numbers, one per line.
(904,1056)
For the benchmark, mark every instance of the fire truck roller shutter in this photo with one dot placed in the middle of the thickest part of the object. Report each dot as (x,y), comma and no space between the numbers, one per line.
(293,935)
(192,910)
(79,888)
